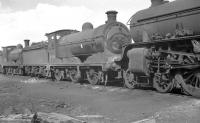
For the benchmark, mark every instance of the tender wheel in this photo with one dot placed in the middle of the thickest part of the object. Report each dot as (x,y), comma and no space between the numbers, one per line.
(93,77)
(190,82)
(1,69)
(21,71)
(74,76)
(129,79)
(44,73)
(162,83)
(58,75)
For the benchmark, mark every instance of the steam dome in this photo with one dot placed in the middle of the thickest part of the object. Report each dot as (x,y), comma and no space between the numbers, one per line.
(87,26)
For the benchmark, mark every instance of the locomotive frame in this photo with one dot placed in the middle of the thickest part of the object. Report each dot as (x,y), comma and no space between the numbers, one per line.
(171,64)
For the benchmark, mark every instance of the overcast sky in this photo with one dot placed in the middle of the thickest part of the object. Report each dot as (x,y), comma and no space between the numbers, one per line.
(31,19)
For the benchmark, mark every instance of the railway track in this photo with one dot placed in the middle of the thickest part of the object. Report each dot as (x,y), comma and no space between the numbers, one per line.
(111,86)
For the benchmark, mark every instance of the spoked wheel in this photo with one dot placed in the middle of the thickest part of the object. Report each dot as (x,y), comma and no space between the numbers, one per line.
(44,73)
(21,71)
(12,71)
(190,82)
(130,79)
(162,83)
(74,76)
(58,75)
(93,77)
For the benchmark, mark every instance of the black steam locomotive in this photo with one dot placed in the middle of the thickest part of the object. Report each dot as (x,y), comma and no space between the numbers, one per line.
(166,54)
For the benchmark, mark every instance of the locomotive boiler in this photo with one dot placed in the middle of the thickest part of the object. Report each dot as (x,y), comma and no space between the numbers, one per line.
(163,18)
(166,51)
(94,50)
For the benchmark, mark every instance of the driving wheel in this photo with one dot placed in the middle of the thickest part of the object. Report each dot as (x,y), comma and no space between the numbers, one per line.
(129,79)
(74,76)
(58,75)
(162,83)
(190,82)
(93,77)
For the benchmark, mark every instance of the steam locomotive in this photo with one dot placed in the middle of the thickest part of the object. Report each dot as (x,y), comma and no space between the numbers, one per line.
(72,55)
(166,52)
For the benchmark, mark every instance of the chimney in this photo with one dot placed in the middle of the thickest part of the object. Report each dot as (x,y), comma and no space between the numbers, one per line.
(26,43)
(112,15)
(158,2)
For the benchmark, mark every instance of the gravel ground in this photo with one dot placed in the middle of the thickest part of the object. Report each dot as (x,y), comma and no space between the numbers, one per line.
(110,104)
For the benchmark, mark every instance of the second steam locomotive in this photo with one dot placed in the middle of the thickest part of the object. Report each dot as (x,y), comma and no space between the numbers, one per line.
(166,54)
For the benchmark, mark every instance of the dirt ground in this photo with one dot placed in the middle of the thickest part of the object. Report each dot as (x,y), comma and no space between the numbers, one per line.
(115,104)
